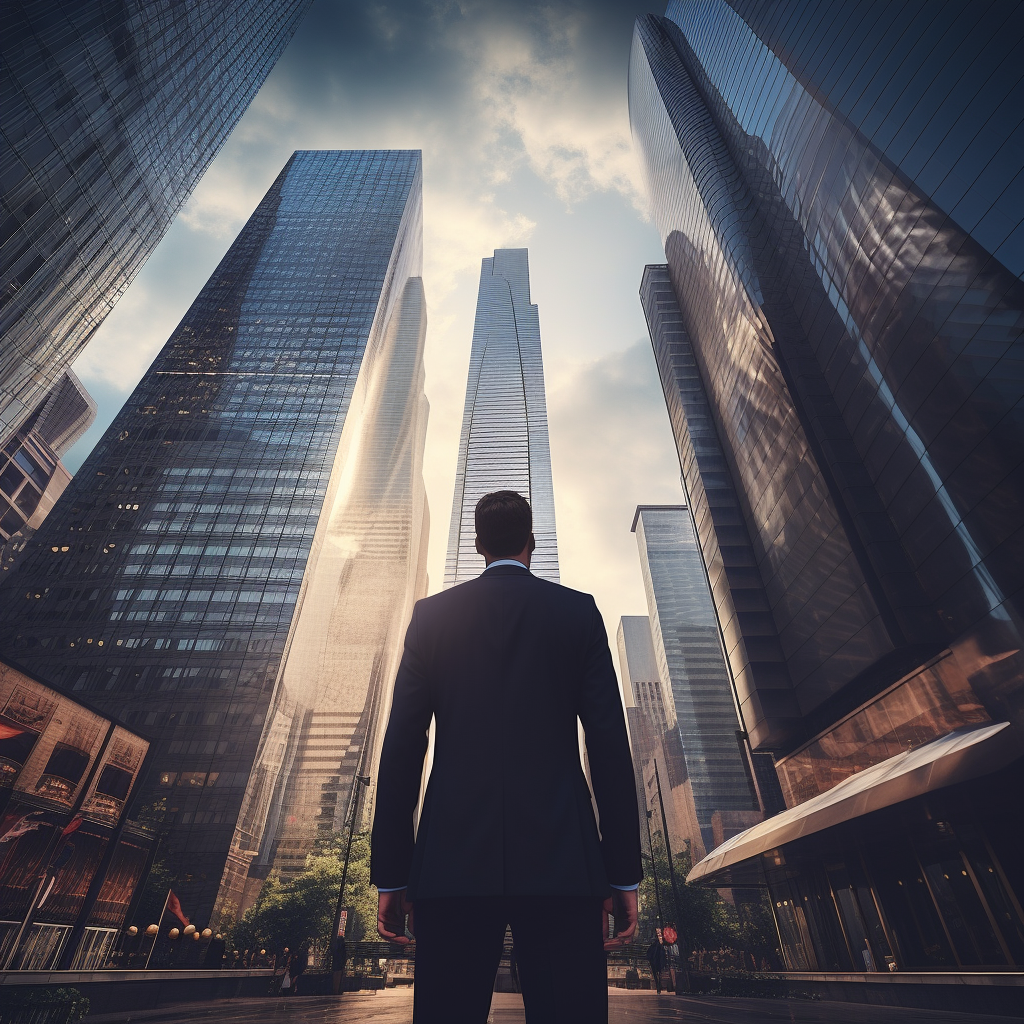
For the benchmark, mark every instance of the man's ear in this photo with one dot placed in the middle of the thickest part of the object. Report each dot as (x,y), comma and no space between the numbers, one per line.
(533,543)
(479,549)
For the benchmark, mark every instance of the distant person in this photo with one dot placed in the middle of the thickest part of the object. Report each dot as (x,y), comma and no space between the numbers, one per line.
(339,957)
(298,966)
(656,958)
(504,664)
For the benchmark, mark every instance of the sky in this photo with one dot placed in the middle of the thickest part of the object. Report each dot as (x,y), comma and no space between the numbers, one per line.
(520,110)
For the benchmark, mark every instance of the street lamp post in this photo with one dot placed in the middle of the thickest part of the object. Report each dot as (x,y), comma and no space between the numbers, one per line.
(654,870)
(683,932)
(363,781)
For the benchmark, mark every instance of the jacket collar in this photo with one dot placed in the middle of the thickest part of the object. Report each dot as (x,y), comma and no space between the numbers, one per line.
(506,570)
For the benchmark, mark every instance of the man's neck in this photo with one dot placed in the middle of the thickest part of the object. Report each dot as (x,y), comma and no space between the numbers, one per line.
(506,561)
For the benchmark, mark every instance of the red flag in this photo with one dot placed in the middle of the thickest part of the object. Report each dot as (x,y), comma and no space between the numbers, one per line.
(7,731)
(73,825)
(174,906)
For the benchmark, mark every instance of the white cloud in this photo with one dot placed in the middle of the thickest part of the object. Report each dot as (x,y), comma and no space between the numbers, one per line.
(611,450)
(525,137)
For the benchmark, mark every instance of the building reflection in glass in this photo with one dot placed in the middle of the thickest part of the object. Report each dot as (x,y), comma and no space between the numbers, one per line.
(70,861)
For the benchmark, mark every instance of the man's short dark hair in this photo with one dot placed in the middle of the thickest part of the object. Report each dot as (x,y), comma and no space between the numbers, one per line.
(504,522)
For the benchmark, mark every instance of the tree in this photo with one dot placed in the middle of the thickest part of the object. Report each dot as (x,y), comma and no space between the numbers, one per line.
(151,903)
(702,917)
(300,912)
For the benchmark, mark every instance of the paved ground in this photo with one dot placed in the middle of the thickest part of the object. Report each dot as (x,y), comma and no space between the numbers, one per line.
(395,1007)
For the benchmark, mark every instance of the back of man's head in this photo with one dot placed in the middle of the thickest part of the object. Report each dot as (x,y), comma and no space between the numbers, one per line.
(504,522)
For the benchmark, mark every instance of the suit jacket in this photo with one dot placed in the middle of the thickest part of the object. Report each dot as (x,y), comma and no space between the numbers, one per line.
(505,663)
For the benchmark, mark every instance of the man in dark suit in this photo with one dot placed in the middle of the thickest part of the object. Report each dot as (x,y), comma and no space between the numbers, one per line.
(505,664)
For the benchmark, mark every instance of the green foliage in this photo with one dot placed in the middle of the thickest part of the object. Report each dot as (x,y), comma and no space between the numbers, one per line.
(158,882)
(44,1006)
(300,912)
(703,919)
(699,914)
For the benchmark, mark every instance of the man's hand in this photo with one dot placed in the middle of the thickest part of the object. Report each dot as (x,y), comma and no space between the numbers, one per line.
(392,908)
(621,906)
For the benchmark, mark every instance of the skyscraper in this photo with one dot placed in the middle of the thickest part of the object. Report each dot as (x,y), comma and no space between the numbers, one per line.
(838,331)
(32,477)
(652,740)
(696,692)
(111,115)
(230,567)
(504,443)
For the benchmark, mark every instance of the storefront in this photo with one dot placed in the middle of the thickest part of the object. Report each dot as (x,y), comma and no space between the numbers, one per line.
(913,864)
(70,863)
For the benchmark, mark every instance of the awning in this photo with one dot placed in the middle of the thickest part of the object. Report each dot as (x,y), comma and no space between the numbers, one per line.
(961,755)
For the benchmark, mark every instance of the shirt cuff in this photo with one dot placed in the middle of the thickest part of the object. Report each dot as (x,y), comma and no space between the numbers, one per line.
(626,888)
(397,888)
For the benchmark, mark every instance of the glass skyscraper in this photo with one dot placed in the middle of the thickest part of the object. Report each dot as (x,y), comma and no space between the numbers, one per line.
(652,741)
(231,567)
(32,477)
(695,691)
(111,115)
(838,333)
(504,443)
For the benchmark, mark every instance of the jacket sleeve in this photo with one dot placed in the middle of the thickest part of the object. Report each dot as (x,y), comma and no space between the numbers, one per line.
(611,764)
(401,769)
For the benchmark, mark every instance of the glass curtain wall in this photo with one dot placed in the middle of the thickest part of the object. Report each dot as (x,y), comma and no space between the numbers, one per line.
(112,113)
(698,701)
(504,443)
(165,583)
(842,233)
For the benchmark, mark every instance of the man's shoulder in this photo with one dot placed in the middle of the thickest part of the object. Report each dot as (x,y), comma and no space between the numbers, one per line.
(472,590)
(560,592)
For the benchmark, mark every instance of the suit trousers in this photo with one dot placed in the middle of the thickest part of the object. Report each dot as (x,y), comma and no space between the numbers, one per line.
(559,952)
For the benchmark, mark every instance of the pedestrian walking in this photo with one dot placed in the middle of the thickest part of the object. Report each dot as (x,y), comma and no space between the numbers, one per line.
(656,958)
(298,967)
(505,665)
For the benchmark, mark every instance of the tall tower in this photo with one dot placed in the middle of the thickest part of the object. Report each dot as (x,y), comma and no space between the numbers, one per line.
(697,696)
(838,329)
(240,552)
(112,113)
(504,443)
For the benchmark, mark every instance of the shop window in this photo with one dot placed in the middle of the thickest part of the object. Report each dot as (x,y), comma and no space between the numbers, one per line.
(859,931)
(976,943)
(1001,901)
(909,910)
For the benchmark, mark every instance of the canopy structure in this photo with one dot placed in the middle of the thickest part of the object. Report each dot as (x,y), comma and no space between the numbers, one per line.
(961,755)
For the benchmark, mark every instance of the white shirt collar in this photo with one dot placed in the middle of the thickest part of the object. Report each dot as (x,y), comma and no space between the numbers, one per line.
(508,561)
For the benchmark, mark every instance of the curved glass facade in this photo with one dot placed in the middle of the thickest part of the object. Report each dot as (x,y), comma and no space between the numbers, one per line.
(834,184)
(504,443)
(112,113)
(202,573)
